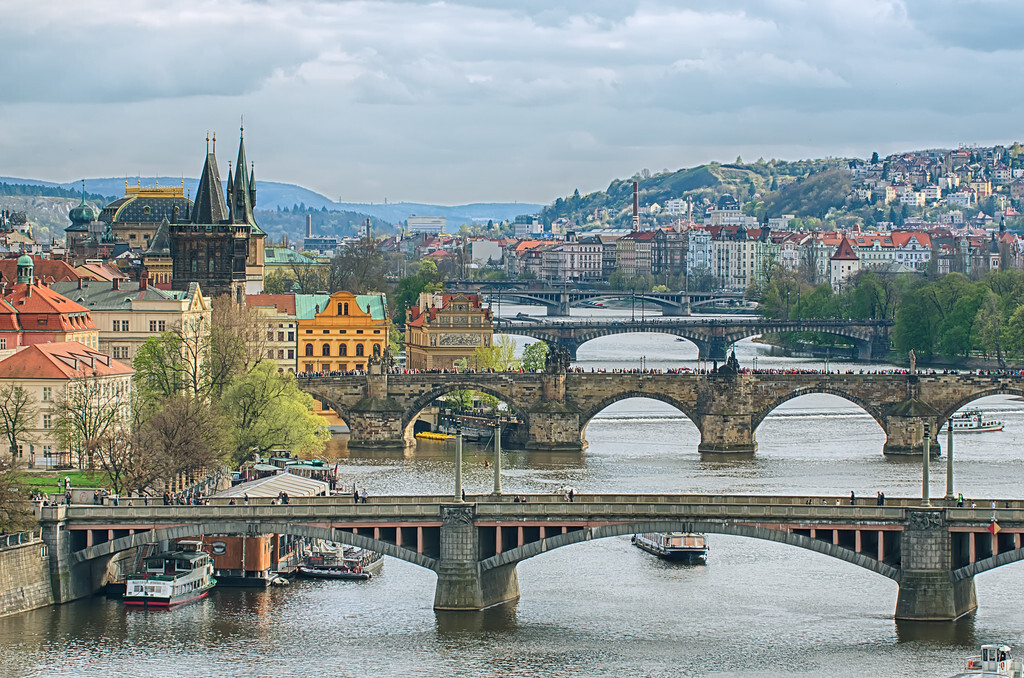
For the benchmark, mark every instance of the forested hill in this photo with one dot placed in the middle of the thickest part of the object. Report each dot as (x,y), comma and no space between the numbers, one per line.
(764,187)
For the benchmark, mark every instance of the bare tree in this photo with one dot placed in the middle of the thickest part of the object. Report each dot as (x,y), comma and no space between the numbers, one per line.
(15,508)
(310,278)
(238,341)
(88,410)
(18,412)
(186,434)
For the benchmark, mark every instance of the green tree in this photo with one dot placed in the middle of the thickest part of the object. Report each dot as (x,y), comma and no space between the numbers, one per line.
(500,356)
(989,326)
(535,356)
(408,289)
(1013,334)
(276,283)
(268,411)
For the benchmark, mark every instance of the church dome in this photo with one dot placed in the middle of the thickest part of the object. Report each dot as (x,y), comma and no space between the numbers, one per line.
(25,260)
(83,214)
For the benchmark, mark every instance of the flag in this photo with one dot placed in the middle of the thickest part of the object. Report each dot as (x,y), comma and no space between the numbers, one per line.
(994,528)
(335,469)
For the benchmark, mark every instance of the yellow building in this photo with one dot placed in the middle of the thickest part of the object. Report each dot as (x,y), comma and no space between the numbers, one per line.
(343,336)
(280,315)
(445,328)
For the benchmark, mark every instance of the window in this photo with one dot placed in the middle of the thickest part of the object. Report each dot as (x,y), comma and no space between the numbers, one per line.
(309,331)
(359,331)
(280,354)
(359,349)
(346,309)
(309,349)
(325,350)
(280,336)
(291,336)
(121,352)
(47,394)
(152,326)
(270,335)
(270,353)
(291,354)
(161,325)
(3,343)
(308,367)
(46,421)
(343,349)
(209,265)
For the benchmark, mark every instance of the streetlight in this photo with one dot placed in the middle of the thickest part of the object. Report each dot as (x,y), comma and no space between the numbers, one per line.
(925,500)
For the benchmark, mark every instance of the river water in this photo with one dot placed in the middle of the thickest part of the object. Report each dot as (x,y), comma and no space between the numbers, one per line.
(602,608)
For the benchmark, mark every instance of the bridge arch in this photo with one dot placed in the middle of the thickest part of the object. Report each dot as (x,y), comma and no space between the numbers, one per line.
(986,564)
(733,529)
(424,399)
(599,406)
(238,527)
(825,389)
(1002,389)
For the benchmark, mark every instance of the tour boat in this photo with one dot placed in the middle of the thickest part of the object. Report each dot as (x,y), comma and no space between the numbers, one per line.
(172,577)
(973,421)
(685,546)
(994,660)
(348,562)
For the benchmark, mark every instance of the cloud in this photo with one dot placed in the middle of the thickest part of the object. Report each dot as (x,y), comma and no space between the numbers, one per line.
(473,100)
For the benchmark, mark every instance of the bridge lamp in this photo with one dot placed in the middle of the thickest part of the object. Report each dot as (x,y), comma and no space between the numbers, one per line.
(925,501)
(458,465)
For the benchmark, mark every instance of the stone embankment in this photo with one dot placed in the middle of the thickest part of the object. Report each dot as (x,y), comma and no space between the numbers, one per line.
(24,573)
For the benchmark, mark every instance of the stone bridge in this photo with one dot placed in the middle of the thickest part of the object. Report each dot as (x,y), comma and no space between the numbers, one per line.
(558,301)
(712,337)
(555,408)
(933,553)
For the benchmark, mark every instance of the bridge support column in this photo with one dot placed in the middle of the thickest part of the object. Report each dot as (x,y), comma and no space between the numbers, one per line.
(726,434)
(675,310)
(70,580)
(927,589)
(561,308)
(375,422)
(554,425)
(461,583)
(904,432)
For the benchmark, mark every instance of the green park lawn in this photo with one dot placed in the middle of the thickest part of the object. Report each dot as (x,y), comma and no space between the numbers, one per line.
(53,481)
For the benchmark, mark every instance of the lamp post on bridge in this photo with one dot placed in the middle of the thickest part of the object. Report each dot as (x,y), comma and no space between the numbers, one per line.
(497,455)
(949,461)
(925,500)
(458,465)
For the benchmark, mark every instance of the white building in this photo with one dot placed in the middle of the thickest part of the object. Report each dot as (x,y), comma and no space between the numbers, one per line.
(434,225)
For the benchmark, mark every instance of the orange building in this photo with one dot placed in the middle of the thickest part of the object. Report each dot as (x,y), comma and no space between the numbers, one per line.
(343,336)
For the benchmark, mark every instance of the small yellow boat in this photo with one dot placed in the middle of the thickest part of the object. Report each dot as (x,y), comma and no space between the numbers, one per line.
(430,435)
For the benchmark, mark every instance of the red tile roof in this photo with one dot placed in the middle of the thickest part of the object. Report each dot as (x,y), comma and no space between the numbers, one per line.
(47,270)
(284,303)
(41,309)
(60,360)
(845,251)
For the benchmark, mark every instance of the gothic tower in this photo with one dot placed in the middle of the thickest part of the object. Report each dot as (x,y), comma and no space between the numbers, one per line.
(212,247)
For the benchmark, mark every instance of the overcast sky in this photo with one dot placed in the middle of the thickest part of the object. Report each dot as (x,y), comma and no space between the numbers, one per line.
(477,100)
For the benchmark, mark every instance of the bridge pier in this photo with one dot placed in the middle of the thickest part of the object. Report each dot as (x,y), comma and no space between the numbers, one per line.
(726,434)
(375,422)
(928,591)
(904,429)
(554,424)
(462,584)
(70,580)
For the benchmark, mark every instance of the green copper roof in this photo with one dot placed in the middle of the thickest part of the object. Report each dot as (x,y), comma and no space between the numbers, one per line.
(308,305)
(374,304)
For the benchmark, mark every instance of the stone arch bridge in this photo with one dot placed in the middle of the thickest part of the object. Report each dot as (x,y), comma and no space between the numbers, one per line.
(555,408)
(474,547)
(712,337)
(558,301)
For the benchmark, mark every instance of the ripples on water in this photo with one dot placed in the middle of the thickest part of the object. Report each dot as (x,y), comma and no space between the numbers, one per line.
(602,608)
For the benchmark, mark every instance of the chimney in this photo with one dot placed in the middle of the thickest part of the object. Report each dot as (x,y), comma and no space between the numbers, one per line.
(144,280)
(309,225)
(636,205)
(116,283)
(79,283)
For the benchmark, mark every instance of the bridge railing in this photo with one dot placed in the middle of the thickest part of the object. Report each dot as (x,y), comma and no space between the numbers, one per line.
(541,506)
(18,538)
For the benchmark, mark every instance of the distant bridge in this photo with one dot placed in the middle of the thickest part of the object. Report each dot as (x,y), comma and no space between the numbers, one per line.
(712,337)
(933,553)
(559,300)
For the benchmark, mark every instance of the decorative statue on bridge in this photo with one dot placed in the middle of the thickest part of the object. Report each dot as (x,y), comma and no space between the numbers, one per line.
(730,367)
(558,360)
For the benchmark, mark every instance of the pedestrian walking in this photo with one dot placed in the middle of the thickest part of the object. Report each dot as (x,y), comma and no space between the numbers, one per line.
(364,495)
(853,498)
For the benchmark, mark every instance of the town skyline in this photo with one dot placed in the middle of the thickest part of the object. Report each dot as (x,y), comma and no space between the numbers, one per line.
(459,102)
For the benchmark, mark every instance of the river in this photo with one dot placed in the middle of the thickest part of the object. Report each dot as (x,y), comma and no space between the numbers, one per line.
(602,608)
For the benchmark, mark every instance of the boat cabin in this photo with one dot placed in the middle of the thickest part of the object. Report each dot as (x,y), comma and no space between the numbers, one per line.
(187,558)
(995,660)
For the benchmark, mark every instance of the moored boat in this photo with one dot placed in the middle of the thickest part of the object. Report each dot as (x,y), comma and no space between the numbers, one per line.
(684,546)
(347,562)
(994,660)
(972,421)
(172,577)
(430,435)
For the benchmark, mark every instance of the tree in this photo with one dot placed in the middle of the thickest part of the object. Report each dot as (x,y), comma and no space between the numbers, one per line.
(426,279)
(874,158)
(276,283)
(18,412)
(15,508)
(184,434)
(500,356)
(88,410)
(238,342)
(989,327)
(535,356)
(268,411)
